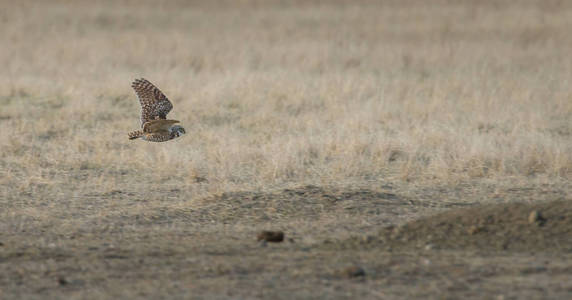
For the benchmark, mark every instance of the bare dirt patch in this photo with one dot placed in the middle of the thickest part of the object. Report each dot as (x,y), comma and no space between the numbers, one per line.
(208,248)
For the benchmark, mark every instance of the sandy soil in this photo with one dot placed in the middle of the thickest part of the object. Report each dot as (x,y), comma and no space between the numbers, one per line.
(209,249)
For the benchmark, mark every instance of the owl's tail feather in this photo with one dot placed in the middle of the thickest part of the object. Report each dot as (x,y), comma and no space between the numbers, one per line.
(135,134)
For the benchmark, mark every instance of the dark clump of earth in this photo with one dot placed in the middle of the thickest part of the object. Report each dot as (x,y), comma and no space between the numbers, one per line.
(271,236)
(514,227)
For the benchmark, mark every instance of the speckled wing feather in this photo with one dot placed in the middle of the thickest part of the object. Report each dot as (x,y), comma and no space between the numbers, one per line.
(158,137)
(154,104)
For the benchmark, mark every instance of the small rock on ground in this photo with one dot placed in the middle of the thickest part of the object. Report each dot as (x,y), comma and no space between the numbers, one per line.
(271,236)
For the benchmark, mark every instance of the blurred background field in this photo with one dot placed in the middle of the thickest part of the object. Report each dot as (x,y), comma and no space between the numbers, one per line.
(444,101)
(274,93)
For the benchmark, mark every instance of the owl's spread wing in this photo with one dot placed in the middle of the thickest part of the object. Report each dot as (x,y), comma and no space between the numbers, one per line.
(154,104)
(158,125)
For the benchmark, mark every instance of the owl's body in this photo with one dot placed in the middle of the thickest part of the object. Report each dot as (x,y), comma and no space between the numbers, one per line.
(154,109)
(158,131)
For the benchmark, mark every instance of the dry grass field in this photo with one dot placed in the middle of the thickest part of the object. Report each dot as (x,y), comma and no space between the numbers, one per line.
(334,121)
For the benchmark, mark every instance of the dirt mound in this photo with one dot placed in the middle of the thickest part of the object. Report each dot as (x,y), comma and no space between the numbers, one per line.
(517,227)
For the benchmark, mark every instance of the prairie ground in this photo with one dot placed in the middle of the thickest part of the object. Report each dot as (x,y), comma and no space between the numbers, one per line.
(411,139)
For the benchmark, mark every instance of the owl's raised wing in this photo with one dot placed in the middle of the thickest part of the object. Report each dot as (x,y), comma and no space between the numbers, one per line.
(154,104)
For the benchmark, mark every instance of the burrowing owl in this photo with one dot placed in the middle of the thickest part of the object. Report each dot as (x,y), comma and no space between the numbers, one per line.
(154,109)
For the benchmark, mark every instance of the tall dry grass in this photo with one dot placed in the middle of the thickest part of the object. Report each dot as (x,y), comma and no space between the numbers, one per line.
(282,93)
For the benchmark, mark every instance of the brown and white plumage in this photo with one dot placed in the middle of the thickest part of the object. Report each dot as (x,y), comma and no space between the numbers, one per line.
(154,104)
(154,109)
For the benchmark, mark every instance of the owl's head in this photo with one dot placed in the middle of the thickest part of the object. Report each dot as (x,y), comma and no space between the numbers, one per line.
(177,130)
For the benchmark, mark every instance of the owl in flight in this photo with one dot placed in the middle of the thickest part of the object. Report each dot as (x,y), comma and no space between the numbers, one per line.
(154,109)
